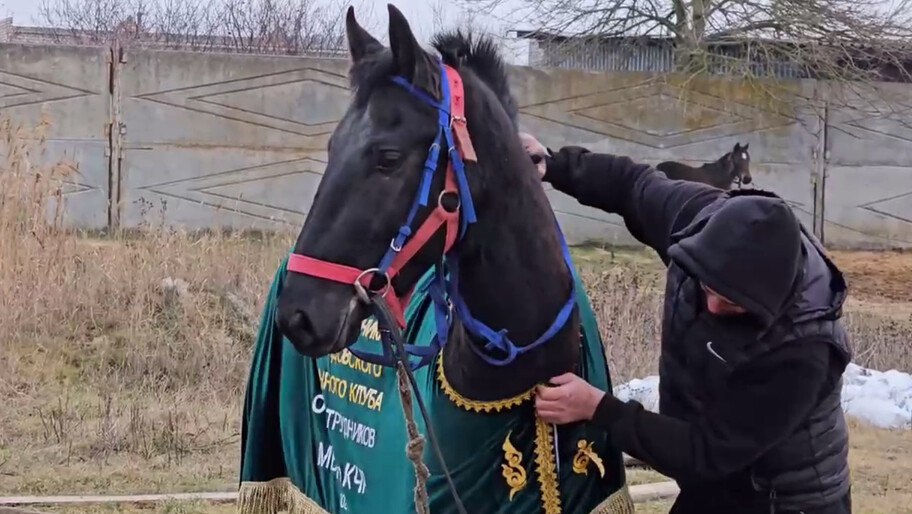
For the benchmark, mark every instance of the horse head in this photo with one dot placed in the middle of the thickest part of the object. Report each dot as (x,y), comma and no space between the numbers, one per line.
(391,173)
(740,160)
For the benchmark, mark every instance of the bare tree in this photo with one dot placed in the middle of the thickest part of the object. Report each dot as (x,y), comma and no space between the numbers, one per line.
(847,39)
(851,45)
(245,26)
(281,26)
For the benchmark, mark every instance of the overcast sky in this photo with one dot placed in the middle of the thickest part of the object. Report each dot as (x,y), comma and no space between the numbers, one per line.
(420,13)
(23,10)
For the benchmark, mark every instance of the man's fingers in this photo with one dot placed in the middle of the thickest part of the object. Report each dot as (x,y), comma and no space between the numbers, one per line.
(563,379)
(551,393)
(551,410)
(548,404)
(531,145)
(552,416)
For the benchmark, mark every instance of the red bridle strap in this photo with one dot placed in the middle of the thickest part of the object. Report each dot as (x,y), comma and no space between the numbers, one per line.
(438,218)
(341,273)
(458,120)
(345,275)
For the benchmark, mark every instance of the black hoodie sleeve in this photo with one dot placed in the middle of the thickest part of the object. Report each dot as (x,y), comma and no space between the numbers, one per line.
(652,205)
(760,405)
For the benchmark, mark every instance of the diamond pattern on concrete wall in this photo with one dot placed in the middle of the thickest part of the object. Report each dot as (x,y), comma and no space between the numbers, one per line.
(276,191)
(869,205)
(640,113)
(9,91)
(898,207)
(307,101)
(19,90)
(74,188)
(882,125)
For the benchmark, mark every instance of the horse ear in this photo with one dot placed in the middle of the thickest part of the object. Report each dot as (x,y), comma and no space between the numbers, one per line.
(360,43)
(745,146)
(409,59)
(737,148)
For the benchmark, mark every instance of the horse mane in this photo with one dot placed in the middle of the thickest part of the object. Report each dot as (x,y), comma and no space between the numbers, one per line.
(457,49)
(481,55)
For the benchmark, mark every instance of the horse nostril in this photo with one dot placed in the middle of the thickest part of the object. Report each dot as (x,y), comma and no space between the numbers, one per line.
(299,322)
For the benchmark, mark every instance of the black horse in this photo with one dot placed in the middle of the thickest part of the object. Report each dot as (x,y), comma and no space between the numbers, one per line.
(512,272)
(513,304)
(733,167)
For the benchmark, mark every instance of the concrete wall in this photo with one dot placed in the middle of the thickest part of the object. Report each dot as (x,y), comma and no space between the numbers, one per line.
(68,86)
(203,139)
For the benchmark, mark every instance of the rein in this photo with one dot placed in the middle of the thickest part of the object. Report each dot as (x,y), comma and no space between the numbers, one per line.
(443,290)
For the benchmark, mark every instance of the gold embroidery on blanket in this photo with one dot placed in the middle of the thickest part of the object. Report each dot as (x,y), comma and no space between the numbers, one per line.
(513,472)
(547,468)
(584,455)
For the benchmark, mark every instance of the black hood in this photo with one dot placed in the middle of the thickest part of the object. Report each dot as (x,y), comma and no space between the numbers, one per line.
(749,247)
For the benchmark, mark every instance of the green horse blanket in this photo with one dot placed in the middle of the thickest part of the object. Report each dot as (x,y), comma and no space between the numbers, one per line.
(328,435)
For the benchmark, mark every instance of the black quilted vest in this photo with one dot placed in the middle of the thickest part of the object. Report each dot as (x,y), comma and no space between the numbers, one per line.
(809,468)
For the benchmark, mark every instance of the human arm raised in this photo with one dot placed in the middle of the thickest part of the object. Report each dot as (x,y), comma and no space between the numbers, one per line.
(652,205)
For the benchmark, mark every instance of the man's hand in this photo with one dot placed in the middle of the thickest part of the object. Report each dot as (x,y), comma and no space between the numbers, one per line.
(536,151)
(573,399)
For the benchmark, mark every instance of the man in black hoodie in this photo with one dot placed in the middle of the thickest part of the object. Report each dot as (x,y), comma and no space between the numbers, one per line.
(752,347)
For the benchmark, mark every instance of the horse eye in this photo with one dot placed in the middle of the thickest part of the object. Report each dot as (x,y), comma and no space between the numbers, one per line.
(388,160)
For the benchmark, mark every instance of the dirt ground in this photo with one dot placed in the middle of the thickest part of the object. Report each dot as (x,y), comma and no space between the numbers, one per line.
(877,275)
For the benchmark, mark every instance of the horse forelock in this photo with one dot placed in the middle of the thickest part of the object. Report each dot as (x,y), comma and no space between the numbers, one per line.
(461,51)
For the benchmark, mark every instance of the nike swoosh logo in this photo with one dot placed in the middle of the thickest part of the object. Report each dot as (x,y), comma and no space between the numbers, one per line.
(709,346)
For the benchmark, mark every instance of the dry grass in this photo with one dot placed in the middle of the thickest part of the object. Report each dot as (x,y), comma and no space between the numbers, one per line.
(155,508)
(123,358)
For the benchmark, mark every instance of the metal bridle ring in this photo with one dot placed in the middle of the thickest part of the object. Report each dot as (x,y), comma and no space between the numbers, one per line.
(363,292)
(458,201)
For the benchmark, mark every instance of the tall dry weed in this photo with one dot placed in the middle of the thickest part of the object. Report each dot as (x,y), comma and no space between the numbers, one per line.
(128,344)
(149,311)
(30,216)
(627,303)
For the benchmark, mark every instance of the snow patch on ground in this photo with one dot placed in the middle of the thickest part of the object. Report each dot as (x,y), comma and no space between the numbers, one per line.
(880,398)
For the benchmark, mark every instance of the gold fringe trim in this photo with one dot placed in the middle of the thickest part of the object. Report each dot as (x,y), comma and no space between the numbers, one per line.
(476,405)
(547,470)
(618,503)
(277,495)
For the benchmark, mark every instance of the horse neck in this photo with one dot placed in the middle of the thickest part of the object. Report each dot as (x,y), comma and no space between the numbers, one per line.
(718,172)
(513,277)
